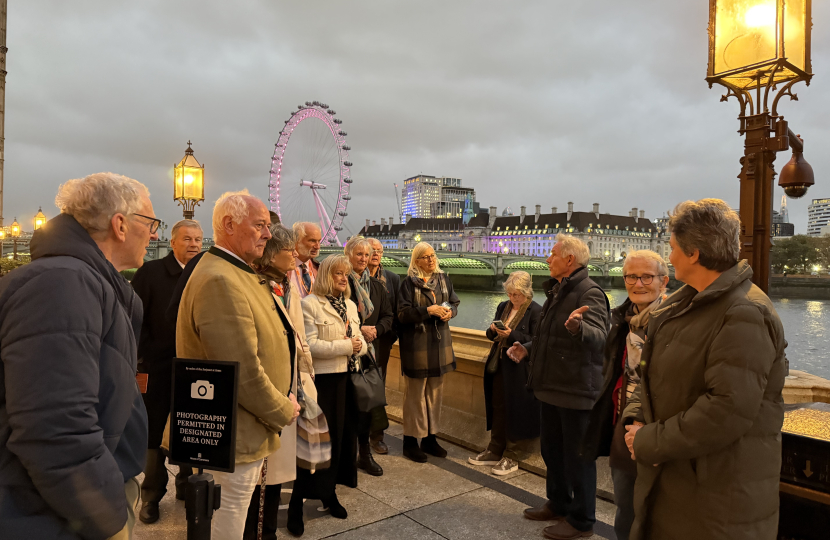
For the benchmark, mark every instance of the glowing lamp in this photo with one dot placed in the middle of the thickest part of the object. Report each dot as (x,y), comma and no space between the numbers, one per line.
(756,42)
(40,219)
(15,229)
(188,182)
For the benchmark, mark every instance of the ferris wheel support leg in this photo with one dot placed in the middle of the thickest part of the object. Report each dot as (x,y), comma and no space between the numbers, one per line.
(325,222)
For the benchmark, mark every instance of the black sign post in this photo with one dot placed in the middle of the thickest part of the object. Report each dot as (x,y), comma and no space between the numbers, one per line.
(203,433)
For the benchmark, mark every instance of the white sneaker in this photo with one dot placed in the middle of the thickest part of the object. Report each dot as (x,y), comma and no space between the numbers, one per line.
(485,458)
(505,466)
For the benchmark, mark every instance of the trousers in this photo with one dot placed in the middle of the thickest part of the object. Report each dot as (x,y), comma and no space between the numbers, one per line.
(237,487)
(131,491)
(571,482)
(624,499)
(500,443)
(154,485)
(422,406)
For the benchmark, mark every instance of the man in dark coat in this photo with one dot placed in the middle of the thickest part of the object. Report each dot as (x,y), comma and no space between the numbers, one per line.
(155,283)
(383,346)
(566,356)
(73,428)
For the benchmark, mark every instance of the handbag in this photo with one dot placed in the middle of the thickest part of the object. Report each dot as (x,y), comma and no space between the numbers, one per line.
(369,389)
(313,438)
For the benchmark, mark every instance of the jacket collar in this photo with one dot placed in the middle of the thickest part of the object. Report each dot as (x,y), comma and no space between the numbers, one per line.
(567,283)
(172,265)
(231,259)
(327,305)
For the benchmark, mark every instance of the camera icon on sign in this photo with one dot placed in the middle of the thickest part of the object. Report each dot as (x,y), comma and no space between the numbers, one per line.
(201,390)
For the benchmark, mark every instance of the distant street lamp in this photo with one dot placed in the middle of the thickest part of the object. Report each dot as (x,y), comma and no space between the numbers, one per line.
(15,232)
(188,182)
(40,219)
(759,49)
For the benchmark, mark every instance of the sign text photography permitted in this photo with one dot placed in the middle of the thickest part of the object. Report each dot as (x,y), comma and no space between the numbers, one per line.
(203,414)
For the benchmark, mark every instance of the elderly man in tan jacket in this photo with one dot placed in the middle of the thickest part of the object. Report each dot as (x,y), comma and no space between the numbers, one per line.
(227,312)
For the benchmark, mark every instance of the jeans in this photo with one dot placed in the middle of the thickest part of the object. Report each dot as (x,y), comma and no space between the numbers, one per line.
(624,498)
(571,481)
(237,488)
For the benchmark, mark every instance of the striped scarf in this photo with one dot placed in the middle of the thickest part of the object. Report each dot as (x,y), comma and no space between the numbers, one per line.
(363,287)
(339,305)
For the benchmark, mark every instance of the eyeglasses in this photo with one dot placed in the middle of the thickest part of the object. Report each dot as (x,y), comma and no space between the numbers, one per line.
(154,222)
(631,279)
(377,251)
(427,257)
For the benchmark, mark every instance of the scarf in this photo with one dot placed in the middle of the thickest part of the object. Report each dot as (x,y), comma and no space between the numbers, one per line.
(379,275)
(429,285)
(364,302)
(637,323)
(505,314)
(339,305)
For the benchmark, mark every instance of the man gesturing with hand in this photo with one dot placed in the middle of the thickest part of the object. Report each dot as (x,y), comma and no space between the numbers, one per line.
(566,356)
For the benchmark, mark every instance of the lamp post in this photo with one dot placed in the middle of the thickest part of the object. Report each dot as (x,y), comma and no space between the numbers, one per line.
(15,232)
(188,182)
(40,219)
(759,49)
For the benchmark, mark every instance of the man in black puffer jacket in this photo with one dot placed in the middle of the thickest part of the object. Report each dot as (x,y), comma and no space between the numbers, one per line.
(566,356)
(73,428)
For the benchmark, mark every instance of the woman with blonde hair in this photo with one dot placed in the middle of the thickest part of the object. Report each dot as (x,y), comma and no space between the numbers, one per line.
(512,412)
(426,304)
(332,327)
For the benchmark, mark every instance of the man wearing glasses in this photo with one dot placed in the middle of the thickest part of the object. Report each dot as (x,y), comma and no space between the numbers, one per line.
(154,283)
(73,427)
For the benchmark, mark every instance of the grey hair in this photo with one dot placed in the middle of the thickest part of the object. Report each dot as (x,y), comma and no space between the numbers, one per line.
(418,251)
(236,204)
(323,284)
(95,199)
(354,243)
(520,282)
(300,229)
(711,227)
(281,238)
(648,255)
(185,223)
(571,245)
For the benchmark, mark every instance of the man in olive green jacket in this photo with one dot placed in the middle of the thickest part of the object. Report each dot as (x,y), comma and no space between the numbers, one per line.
(713,369)
(227,312)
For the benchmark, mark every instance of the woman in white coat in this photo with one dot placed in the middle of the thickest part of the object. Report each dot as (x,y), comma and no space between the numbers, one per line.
(332,327)
(278,259)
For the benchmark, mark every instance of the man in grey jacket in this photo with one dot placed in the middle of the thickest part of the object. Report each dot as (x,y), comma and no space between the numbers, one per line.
(73,427)
(566,356)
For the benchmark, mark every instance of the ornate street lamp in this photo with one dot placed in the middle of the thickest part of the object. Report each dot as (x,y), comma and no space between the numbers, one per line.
(759,49)
(40,219)
(188,182)
(15,233)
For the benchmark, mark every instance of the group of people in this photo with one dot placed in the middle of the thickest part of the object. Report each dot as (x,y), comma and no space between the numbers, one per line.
(87,361)
(683,392)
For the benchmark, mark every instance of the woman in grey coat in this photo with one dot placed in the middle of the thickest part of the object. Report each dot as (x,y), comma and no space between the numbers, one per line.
(426,304)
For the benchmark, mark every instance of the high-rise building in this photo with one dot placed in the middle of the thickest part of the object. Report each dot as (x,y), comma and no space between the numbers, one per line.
(427,196)
(818,216)
(784,213)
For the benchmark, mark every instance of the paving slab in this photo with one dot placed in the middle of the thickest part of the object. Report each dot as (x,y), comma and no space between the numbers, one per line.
(399,526)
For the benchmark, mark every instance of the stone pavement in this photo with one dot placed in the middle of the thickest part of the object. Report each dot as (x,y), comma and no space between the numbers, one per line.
(442,499)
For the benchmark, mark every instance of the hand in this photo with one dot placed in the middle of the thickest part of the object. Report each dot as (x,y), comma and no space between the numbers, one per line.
(575,320)
(370,333)
(517,352)
(447,314)
(356,345)
(437,311)
(293,400)
(502,333)
(629,436)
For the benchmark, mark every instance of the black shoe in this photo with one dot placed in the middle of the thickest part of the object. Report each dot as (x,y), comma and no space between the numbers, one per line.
(149,513)
(335,508)
(415,454)
(295,523)
(430,446)
(367,462)
(378,446)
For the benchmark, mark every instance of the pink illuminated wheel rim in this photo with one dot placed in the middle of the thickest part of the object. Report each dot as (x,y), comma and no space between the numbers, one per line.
(310,170)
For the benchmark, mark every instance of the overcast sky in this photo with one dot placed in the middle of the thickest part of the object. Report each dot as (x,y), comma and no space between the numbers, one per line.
(528,102)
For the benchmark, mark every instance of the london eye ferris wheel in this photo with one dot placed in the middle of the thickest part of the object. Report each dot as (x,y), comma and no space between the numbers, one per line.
(310,170)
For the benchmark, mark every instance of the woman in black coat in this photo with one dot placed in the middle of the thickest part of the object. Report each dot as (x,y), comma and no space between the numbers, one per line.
(512,411)
(376,318)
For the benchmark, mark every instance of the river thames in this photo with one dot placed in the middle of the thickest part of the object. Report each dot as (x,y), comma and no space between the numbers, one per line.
(805,324)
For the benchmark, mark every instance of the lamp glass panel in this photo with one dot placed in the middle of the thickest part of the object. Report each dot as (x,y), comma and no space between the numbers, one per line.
(178,188)
(795,23)
(745,33)
(193,183)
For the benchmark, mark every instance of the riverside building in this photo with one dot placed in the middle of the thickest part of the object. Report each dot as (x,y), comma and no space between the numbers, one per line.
(818,216)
